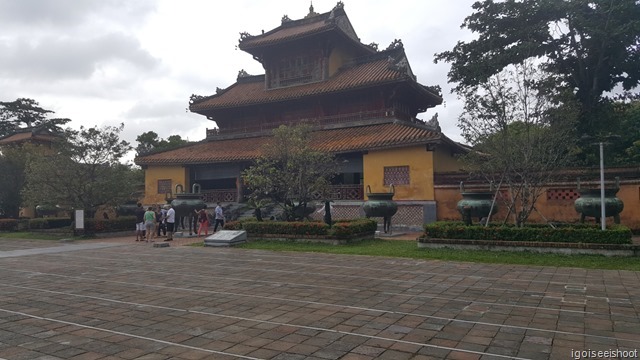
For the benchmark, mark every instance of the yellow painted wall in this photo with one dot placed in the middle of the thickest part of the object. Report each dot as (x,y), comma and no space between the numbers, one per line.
(444,160)
(177,174)
(420,162)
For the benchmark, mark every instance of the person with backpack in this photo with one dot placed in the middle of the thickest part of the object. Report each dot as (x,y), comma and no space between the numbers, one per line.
(203,220)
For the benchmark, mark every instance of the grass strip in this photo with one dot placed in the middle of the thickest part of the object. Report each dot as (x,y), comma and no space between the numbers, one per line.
(409,249)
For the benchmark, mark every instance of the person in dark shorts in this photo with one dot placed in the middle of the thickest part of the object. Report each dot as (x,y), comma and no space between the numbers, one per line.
(140,230)
(171,222)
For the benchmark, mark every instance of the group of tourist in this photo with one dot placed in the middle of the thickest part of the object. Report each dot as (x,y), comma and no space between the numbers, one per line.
(161,220)
(155,221)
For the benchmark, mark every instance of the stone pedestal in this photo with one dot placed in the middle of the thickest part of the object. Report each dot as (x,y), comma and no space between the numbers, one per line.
(226,238)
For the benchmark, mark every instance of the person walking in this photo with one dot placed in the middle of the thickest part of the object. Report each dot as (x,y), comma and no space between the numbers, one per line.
(219,216)
(150,223)
(170,220)
(139,213)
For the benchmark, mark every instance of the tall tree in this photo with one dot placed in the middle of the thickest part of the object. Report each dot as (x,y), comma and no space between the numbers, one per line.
(27,113)
(290,172)
(84,172)
(520,138)
(13,161)
(150,141)
(587,46)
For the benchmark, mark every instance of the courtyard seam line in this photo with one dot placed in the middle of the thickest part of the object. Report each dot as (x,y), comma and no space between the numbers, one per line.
(242,318)
(332,305)
(398,281)
(127,334)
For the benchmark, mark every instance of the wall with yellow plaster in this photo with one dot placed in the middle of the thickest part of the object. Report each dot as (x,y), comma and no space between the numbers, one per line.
(420,162)
(177,175)
(444,159)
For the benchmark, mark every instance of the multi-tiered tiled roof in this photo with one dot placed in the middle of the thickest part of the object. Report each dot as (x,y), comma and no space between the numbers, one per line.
(383,68)
(338,140)
(368,69)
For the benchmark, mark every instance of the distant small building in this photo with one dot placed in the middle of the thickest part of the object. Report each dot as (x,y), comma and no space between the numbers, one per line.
(41,137)
(32,135)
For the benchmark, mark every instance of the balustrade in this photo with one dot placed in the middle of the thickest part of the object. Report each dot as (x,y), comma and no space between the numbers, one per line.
(220,195)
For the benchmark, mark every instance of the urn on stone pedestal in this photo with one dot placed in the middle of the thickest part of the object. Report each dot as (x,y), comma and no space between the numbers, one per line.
(590,203)
(381,205)
(478,204)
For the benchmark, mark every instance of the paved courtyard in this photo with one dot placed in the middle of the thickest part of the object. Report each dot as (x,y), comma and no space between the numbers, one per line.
(127,300)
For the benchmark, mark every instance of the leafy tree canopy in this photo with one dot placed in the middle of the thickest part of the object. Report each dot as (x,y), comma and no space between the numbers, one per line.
(290,172)
(83,171)
(521,138)
(27,113)
(150,141)
(12,164)
(588,46)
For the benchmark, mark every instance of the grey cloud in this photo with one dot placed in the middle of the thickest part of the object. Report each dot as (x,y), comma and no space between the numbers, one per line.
(70,13)
(158,109)
(69,58)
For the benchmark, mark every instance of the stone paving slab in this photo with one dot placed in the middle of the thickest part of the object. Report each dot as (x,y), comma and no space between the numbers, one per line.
(133,301)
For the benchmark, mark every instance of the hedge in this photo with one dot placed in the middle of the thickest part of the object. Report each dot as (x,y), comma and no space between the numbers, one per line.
(341,229)
(122,223)
(574,233)
(8,224)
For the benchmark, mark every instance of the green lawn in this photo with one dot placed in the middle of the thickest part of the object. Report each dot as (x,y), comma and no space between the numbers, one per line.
(409,249)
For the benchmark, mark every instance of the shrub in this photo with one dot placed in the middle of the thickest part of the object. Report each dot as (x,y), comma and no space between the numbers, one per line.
(122,223)
(341,229)
(286,227)
(233,225)
(574,233)
(56,223)
(346,229)
(38,223)
(8,224)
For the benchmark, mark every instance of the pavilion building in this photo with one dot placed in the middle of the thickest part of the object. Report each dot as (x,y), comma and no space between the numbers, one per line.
(362,103)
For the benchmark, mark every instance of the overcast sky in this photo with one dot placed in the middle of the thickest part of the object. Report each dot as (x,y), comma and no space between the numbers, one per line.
(106,62)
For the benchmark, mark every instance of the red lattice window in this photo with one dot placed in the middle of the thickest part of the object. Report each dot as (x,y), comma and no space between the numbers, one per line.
(164,186)
(562,194)
(396,175)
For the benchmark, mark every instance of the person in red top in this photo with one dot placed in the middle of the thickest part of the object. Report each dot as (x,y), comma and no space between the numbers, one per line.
(203,220)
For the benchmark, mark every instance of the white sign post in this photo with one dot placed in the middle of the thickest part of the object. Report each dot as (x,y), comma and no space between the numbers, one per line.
(79,221)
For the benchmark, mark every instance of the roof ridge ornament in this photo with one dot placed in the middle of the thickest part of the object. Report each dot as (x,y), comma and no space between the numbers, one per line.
(285,19)
(194,98)
(311,13)
(245,35)
(243,74)
(396,44)
(434,123)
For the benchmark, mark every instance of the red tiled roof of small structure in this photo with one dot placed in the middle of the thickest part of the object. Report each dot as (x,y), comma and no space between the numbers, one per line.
(26,136)
(341,140)
(251,90)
